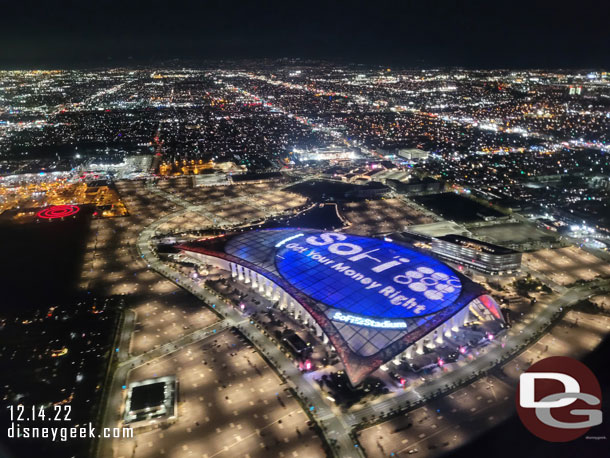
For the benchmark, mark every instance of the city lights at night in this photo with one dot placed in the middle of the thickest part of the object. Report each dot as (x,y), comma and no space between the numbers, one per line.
(270,229)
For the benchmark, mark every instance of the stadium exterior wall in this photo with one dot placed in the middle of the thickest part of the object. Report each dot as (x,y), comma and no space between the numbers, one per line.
(278,291)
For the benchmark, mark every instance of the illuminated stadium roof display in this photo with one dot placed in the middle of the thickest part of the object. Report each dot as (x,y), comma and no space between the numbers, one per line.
(367,276)
(371,297)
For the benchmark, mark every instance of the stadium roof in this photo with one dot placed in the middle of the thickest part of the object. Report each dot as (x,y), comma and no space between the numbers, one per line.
(373,298)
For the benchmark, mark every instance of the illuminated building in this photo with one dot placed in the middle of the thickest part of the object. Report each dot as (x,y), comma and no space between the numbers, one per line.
(481,256)
(575,90)
(413,154)
(152,399)
(475,254)
(371,299)
(415,186)
(336,153)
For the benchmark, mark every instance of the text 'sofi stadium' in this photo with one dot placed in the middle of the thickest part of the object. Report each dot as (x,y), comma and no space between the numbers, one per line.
(371,298)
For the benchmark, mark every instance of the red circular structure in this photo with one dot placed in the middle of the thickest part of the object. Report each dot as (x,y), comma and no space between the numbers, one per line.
(58,211)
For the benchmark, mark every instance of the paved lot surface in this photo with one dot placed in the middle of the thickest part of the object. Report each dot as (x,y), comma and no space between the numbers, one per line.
(230,404)
(603,301)
(443,424)
(236,204)
(565,266)
(168,317)
(386,215)
(575,335)
(453,420)
(110,264)
(512,232)
(188,221)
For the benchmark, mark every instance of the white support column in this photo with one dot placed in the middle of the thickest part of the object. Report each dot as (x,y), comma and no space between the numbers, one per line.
(409,353)
(253,279)
(324,339)
(283,299)
(261,284)
(466,313)
(447,330)
(419,346)
(454,323)
(247,273)
(439,335)
(233,270)
(274,289)
(240,272)
(270,289)
(318,330)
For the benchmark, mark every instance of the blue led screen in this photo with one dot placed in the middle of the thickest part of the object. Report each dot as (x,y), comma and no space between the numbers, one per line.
(365,276)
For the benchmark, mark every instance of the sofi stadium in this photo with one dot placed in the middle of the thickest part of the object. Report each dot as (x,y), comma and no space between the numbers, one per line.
(374,300)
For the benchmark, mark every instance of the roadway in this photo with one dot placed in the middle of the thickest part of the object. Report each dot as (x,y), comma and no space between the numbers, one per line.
(335,426)
(339,426)
(485,362)
(114,403)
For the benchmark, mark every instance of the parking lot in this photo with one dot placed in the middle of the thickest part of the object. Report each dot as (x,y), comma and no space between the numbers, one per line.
(455,419)
(512,232)
(602,301)
(443,424)
(165,318)
(110,263)
(565,266)
(575,335)
(378,216)
(230,404)
(189,221)
(236,204)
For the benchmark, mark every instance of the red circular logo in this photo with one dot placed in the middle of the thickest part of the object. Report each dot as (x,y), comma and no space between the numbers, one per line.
(559,399)
(58,211)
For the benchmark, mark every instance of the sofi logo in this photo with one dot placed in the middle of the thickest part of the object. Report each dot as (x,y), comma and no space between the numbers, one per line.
(559,399)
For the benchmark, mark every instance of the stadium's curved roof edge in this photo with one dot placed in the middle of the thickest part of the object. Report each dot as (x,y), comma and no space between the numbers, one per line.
(382,280)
